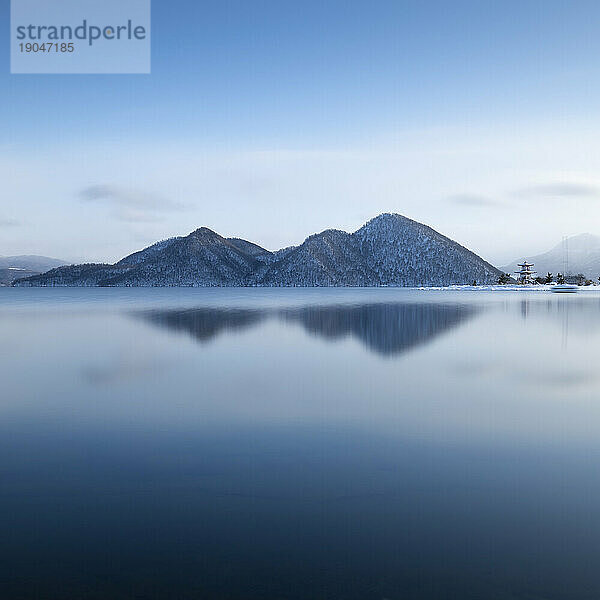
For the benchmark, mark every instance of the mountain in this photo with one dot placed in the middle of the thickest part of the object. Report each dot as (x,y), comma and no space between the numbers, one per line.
(583,252)
(329,258)
(7,276)
(40,264)
(248,247)
(202,258)
(15,267)
(389,250)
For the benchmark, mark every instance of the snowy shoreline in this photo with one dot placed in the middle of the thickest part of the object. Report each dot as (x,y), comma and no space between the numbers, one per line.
(499,288)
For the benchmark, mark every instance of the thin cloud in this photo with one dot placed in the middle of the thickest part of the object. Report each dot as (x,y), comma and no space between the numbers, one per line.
(560,189)
(9,223)
(125,368)
(131,206)
(474,200)
(137,216)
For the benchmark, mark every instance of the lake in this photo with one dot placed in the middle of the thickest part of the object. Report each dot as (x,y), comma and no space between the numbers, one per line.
(265,444)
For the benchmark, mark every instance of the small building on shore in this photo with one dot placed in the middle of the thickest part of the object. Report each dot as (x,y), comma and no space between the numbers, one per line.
(526,274)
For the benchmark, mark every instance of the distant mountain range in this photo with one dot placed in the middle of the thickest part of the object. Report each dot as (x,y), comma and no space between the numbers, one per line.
(16,267)
(582,251)
(389,250)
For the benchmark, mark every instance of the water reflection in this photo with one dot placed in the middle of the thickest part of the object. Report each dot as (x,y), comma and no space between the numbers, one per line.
(573,316)
(383,328)
(204,323)
(270,464)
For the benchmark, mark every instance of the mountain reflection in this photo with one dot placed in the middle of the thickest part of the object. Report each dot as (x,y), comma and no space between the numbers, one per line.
(383,328)
(204,323)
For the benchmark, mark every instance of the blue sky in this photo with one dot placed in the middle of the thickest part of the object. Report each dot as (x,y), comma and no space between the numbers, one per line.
(273,120)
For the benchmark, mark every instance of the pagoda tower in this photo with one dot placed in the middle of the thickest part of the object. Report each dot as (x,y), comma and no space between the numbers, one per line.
(525,275)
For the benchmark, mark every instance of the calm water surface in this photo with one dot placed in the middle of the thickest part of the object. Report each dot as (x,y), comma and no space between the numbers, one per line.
(299,444)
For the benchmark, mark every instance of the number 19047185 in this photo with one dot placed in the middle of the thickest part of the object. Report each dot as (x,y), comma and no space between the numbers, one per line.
(47,47)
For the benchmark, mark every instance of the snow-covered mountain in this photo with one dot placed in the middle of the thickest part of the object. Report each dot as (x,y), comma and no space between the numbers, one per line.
(202,258)
(30,262)
(582,252)
(15,267)
(389,250)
